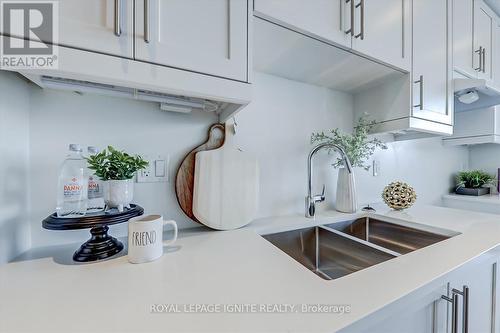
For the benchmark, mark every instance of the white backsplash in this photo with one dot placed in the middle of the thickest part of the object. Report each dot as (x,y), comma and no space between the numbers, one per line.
(276,127)
(14,180)
(485,157)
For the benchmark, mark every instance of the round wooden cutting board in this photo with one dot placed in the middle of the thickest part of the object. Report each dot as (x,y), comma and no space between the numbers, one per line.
(184,181)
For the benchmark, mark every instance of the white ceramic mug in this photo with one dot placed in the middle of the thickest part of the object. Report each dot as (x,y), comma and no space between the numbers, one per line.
(145,238)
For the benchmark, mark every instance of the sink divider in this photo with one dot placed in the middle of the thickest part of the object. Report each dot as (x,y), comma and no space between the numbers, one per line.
(374,246)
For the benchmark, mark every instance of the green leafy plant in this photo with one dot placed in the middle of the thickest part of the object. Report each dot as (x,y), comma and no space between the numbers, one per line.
(474,179)
(358,146)
(112,164)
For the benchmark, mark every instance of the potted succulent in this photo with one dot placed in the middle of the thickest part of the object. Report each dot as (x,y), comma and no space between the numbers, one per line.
(358,147)
(474,182)
(116,169)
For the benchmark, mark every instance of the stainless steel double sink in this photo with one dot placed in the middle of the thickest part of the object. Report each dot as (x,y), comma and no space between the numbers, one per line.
(338,249)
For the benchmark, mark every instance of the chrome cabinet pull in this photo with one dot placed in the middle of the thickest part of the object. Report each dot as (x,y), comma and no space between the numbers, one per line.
(146,21)
(483,57)
(351,30)
(454,311)
(362,19)
(465,307)
(480,53)
(118,24)
(420,81)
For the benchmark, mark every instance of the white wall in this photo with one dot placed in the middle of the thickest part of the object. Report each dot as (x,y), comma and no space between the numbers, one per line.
(485,157)
(59,118)
(276,127)
(425,164)
(14,181)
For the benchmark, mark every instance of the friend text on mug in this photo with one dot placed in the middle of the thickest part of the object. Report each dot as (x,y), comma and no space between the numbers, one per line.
(143,238)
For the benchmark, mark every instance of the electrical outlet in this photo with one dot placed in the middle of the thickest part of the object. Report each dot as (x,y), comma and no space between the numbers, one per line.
(156,172)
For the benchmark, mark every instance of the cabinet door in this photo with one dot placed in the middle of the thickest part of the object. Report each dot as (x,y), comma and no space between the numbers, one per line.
(484,23)
(432,61)
(326,19)
(418,314)
(496,56)
(463,53)
(382,31)
(94,25)
(202,36)
(481,278)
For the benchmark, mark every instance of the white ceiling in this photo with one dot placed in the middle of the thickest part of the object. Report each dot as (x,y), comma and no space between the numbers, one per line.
(494,4)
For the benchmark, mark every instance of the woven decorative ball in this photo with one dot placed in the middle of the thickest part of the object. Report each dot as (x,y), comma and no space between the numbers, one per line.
(399,195)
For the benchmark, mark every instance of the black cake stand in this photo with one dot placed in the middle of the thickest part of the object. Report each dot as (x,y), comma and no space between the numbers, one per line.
(100,245)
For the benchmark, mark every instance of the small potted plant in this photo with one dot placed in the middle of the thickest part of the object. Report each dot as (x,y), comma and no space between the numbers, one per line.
(474,182)
(117,170)
(358,146)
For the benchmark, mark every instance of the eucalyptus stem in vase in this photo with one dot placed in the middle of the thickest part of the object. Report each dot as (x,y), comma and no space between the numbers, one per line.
(359,147)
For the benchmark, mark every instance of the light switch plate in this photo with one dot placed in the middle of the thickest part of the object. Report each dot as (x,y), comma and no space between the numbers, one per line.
(375,168)
(157,171)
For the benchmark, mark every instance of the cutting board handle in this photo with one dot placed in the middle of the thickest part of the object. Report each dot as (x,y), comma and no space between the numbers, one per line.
(215,134)
(229,133)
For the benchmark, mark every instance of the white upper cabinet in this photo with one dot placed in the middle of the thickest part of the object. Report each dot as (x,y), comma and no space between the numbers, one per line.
(97,25)
(379,29)
(326,19)
(382,31)
(432,85)
(103,26)
(475,52)
(496,57)
(484,23)
(209,37)
(463,28)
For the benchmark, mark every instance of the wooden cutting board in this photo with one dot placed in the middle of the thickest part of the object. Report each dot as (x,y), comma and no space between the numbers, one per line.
(226,186)
(184,181)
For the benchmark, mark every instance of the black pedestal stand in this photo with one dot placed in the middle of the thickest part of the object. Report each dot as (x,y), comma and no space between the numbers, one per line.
(100,245)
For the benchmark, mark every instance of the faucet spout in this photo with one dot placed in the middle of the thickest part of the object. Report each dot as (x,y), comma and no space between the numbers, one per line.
(311,199)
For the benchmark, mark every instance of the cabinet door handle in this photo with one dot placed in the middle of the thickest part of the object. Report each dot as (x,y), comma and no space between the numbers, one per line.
(146,21)
(483,57)
(480,53)
(465,307)
(351,30)
(118,11)
(362,19)
(454,311)
(420,81)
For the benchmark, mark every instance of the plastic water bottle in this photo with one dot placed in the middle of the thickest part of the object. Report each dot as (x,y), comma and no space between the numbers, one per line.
(72,187)
(95,189)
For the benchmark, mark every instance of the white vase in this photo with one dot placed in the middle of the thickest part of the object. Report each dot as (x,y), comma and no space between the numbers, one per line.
(118,193)
(347,201)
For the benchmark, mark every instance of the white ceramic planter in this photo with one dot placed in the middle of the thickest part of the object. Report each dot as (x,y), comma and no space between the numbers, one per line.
(347,201)
(118,193)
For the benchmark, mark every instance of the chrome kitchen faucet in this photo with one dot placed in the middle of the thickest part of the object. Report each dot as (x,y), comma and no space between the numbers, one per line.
(311,200)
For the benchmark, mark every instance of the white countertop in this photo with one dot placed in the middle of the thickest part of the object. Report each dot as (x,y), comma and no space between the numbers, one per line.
(45,292)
